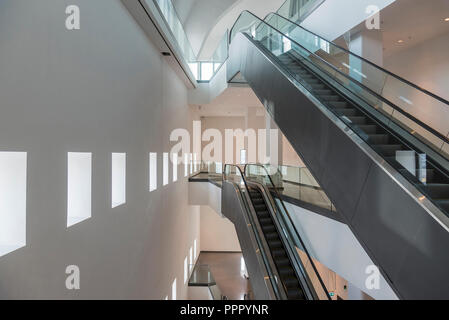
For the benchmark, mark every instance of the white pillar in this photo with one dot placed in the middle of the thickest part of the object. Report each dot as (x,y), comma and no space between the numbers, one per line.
(367,44)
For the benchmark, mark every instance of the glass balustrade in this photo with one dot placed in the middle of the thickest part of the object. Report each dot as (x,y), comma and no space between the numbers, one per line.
(297,10)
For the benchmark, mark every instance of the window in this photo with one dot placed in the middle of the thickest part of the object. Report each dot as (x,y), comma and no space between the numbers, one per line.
(175,167)
(153,171)
(195,163)
(243,156)
(194,249)
(207,70)
(186,165)
(165,169)
(173,290)
(186,270)
(219,168)
(79,187)
(118,179)
(13,184)
(194,69)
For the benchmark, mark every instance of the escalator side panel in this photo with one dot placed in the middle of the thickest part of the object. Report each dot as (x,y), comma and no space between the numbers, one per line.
(401,237)
(408,244)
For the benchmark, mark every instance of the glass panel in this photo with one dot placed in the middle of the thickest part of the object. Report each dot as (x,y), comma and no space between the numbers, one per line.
(298,183)
(201,276)
(169,13)
(297,10)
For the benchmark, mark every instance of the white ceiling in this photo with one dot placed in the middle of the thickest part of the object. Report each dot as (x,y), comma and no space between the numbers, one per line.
(413,21)
(199,17)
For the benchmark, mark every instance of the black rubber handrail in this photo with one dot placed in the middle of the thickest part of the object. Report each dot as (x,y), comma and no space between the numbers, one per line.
(375,94)
(427,92)
(291,221)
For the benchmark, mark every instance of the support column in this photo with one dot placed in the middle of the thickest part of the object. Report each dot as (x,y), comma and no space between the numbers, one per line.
(369,45)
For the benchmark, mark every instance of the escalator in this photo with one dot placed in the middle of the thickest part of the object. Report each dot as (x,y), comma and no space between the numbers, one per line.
(277,249)
(270,243)
(382,141)
(376,143)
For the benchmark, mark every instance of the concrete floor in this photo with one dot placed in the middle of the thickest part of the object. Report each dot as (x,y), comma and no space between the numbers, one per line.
(226,270)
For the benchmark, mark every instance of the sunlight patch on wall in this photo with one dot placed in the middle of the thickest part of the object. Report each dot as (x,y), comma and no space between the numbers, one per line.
(79,187)
(118,179)
(13,185)
(153,171)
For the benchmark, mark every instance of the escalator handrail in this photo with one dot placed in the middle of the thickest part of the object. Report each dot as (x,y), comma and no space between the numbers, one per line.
(394,106)
(433,95)
(291,222)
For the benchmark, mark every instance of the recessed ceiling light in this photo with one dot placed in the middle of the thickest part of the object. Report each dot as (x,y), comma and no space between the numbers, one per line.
(400,41)
(447,19)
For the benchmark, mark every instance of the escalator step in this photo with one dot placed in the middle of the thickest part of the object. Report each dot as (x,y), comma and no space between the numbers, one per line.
(391,160)
(307,77)
(263,214)
(388,150)
(312,81)
(339,104)
(266,222)
(348,112)
(279,252)
(260,207)
(358,120)
(330,98)
(283,262)
(319,86)
(271,235)
(295,294)
(298,70)
(323,92)
(285,58)
(257,201)
(291,282)
(286,272)
(429,175)
(379,138)
(437,191)
(275,244)
(444,204)
(269,229)
(368,128)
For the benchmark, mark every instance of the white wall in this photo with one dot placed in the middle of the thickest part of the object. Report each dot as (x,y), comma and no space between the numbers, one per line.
(335,17)
(221,124)
(102,89)
(217,232)
(426,65)
(289,155)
